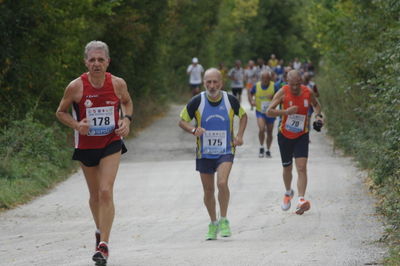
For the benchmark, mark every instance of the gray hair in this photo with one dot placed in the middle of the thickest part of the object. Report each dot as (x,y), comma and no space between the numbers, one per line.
(97,45)
(213,70)
(266,72)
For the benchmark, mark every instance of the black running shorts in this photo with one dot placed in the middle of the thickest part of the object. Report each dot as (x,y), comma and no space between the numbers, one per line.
(92,157)
(210,166)
(290,148)
(237,91)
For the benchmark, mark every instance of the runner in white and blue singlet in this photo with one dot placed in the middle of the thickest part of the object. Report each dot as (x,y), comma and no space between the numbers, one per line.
(214,111)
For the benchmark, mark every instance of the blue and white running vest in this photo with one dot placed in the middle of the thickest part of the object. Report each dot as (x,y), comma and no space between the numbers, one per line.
(217,140)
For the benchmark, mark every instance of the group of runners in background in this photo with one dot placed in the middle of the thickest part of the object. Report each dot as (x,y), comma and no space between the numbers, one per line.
(102,112)
(274,90)
(257,78)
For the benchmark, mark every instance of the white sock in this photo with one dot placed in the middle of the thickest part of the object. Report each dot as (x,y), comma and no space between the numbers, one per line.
(262,147)
(214,222)
(288,192)
(97,231)
(222,218)
(301,199)
(103,242)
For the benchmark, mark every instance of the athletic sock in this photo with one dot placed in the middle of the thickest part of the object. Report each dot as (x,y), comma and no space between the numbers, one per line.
(214,222)
(301,199)
(97,231)
(288,192)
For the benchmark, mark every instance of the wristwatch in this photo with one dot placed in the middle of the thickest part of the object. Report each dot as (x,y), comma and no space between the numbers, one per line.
(129,117)
(194,130)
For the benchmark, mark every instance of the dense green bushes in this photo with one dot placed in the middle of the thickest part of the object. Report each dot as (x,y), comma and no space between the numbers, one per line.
(360,46)
(32,155)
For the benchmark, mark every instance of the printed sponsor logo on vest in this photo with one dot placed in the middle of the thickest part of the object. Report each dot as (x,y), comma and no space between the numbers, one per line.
(110,102)
(88,103)
(92,96)
(221,108)
(215,116)
(305,103)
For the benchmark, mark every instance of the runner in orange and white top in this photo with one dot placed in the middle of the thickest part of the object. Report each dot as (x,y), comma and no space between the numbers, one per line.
(293,138)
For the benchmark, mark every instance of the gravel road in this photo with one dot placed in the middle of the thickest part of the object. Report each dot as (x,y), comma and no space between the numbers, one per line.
(161,220)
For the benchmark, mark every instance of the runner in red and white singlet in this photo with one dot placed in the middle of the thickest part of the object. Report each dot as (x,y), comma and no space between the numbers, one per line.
(96,97)
(101,107)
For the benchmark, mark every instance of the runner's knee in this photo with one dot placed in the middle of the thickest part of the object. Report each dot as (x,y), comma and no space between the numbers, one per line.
(222,185)
(94,199)
(209,192)
(105,195)
(302,168)
(288,168)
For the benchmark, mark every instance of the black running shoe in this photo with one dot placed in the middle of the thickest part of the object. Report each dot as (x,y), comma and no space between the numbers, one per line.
(268,154)
(101,255)
(261,154)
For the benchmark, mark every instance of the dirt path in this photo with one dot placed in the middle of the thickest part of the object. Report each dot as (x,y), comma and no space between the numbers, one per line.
(161,220)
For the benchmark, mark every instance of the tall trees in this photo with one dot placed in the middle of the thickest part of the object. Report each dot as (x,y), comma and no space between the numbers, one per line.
(41,49)
(251,29)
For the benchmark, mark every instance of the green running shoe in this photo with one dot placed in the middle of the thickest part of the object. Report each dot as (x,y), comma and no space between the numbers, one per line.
(224,229)
(212,232)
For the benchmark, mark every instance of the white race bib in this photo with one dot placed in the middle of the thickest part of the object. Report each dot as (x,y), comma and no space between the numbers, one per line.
(101,120)
(214,142)
(264,106)
(295,123)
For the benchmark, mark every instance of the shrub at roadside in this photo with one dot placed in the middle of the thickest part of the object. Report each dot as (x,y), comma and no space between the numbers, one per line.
(32,157)
(360,83)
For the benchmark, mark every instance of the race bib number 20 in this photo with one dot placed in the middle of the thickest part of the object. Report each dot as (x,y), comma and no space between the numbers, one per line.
(101,120)
(295,123)
(214,142)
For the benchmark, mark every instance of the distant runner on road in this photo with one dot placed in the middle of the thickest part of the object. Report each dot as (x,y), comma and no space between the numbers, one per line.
(214,112)
(96,97)
(261,96)
(236,74)
(293,136)
(195,70)
(251,77)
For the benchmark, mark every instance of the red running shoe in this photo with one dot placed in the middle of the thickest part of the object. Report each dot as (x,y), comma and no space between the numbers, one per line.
(304,205)
(101,255)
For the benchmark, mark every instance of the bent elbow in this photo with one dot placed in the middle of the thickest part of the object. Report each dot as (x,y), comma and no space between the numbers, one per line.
(180,124)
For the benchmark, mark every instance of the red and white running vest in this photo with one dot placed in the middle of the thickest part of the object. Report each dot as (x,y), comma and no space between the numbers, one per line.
(100,106)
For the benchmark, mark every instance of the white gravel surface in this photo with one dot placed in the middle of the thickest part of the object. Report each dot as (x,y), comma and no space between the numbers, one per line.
(160,217)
